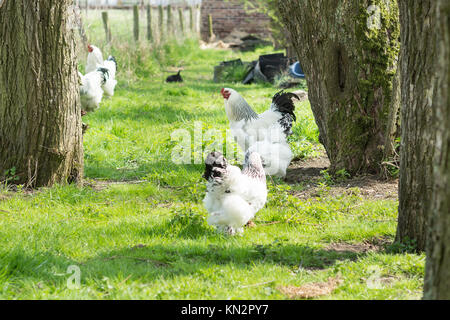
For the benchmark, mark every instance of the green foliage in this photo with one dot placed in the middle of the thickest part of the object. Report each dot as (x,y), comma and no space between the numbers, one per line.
(138,228)
(338,177)
(407,246)
(9,175)
(235,73)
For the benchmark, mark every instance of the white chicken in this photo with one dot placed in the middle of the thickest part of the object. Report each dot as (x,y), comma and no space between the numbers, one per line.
(111,83)
(233,196)
(91,91)
(265,133)
(95,60)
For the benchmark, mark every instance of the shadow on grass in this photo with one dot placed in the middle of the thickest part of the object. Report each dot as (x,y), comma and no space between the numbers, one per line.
(156,261)
(146,263)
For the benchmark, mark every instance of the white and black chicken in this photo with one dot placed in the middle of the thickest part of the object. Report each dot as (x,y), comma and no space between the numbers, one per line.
(233,196)
(95,61)
(91,91)
(264,133)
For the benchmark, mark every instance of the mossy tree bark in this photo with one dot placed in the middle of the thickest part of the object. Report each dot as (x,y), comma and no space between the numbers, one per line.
(418,39)
(349,52)
(437,271)
(40,112)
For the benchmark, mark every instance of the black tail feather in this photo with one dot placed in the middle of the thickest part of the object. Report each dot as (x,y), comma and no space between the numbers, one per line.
(112,58)
(284,104)
(105,74)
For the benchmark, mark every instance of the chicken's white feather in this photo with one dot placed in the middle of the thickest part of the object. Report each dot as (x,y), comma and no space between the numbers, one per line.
(94,59)
(264,133)
(233,196)
(91,92)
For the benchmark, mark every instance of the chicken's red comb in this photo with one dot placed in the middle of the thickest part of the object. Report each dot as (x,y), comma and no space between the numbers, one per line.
(90,49)
(222,91)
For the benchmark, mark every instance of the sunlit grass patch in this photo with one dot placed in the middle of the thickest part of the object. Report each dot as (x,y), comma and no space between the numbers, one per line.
(137,228)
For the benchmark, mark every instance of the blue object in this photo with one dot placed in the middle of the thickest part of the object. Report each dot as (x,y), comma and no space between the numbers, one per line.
(296,70)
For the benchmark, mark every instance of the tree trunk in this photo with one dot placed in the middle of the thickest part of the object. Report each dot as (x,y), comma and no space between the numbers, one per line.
(40,112)
(437,271)
(349,52)
(416,150)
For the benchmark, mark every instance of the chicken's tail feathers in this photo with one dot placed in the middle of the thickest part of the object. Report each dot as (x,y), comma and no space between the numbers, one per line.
(105,74)
(215,166)
(113,59)
(282,102)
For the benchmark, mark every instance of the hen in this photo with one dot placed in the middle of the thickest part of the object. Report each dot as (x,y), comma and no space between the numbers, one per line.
(264,133)
(95,60)
(233,196)
(91,91)
(175,77)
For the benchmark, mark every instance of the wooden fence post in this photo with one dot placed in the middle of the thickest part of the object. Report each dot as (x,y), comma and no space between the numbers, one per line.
(210,28)
(191,19)
(181,15)
(199,21)
(136,22)
(149,23)
(169,20)
(106,26)
(161,22)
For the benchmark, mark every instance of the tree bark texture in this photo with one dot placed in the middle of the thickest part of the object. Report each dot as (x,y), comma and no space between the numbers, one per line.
(417,140)
(437,271)
(40,112)
(349,53)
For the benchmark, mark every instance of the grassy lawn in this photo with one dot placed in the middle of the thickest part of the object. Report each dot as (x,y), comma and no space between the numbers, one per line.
(137,228)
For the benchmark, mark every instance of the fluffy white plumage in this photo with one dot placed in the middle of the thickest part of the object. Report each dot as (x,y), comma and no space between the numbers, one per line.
(233,196)
(111,82)
(265,133)
(91,91)
(95,61)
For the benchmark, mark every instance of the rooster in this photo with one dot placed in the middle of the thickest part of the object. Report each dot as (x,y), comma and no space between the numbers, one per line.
(264,133)
(95,60)
(91,91)
(233,196)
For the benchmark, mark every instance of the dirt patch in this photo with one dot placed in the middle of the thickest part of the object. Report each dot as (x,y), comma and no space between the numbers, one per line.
(370,245)
(311,290)
(100,185)
(309,174)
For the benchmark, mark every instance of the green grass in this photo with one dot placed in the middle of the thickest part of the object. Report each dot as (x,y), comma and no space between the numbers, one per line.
(145,236)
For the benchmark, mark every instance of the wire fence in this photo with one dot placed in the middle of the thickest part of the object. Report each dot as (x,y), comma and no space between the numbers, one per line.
(145,22)
(96,4)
